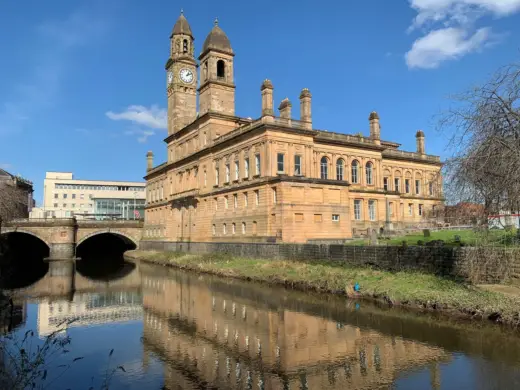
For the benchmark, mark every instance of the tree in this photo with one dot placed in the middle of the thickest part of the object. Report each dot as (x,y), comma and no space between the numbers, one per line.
(485,167)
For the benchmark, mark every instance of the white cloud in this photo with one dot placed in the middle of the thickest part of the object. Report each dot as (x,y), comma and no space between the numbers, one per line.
(142,135)
(445,44)
(450,30)
(153,117)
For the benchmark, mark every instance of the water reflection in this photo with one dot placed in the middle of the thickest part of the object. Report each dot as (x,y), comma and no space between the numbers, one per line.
(177,330)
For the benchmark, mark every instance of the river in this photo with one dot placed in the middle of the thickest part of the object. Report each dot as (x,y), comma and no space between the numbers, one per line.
(169,329)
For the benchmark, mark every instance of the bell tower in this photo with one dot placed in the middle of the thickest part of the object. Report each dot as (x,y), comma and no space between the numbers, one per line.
(181,77)
(217,88)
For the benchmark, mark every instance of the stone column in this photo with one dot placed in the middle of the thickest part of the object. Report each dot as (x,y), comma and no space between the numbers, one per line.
(63,240)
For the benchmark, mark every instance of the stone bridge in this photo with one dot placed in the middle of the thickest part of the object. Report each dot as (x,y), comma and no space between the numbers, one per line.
(63,235)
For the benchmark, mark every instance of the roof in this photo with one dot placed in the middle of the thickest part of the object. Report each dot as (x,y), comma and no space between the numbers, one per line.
(182,27)
(217,40)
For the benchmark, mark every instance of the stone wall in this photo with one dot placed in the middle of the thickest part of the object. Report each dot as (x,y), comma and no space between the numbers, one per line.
(477,265)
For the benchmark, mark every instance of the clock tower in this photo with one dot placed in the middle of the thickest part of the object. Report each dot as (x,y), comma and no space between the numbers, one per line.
(181,77)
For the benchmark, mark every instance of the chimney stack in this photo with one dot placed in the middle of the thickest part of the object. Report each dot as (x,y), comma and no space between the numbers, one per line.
(267,98)
(305,108)
(375,127)
(285,109)
(149,161)
(420,142)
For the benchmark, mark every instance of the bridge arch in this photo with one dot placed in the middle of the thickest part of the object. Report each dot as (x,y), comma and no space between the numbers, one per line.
(126,237)
(6,231)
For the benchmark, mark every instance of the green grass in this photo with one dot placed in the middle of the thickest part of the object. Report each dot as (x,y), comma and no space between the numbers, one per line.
(467,237)
(406,288)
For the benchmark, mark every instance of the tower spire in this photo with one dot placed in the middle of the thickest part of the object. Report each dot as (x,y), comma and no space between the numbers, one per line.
(216,21)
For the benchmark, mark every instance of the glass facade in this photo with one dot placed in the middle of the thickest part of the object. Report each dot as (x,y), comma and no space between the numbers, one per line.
(119,209)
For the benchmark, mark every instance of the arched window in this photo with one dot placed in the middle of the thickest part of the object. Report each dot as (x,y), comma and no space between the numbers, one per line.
(340,164)
(221,69)
(355,172)
(243,228)
(224,229)
(324,167)
(369,173)
(185,46)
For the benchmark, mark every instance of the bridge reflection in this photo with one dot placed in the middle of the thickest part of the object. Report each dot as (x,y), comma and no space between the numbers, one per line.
(213,335)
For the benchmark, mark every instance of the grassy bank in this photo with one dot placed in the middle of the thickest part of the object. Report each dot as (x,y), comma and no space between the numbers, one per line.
(409,289)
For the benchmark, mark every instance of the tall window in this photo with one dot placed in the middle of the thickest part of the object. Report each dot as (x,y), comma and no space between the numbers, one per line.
(324,167)
(226,202)
(369,170)
(214,229)
(407,185)
(280,163)
(397,184)
(243,228)
(339,169)
(246,167)
(355,172)
(246,202)
(257,197)
(216,203)
(410,209)
(274,195)
(237,170)
(224,229)
(257,164)
(421,207)
(234,228)
(297,165)
(418,187)
(430,188)
(221,69)
(205,178)
(385,183)
(357,209)
(372,210)
(227,173)
(216,176)
(235,200)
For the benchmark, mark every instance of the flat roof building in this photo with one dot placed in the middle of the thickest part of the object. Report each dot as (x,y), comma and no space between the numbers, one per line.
(64,196)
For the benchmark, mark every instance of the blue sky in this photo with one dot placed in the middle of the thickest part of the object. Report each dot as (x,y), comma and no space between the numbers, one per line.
(69,69)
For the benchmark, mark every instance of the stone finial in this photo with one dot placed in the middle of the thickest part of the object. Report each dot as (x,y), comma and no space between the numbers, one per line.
(373,115)
(419,134)
(284,104)
(216,21)
(267,84)
(305,93)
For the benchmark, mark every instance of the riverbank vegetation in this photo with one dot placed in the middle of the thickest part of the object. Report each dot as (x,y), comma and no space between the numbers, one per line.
(404,288)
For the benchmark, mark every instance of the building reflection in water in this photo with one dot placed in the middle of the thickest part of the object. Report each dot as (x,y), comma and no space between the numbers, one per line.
(88,309)
(211,336)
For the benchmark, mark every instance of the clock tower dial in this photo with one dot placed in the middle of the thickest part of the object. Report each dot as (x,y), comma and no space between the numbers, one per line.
(186,75)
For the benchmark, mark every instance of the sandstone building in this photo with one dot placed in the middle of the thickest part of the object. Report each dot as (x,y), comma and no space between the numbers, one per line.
(274,178)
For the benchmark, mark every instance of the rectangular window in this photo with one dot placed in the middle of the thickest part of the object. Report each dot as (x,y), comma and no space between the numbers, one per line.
(407,185)
(227,173)
(246,167)
(235,200)
(257,164)
(417,187)
(216,177)
(257,197)
(391,207)
(64,196)
(224,229)
(243,228)
(410,209)
(280,163)
(64,204)
(216,203)
(385,183)
(298,165)
(226,202)
(318,218)
(82,196)
(397,184)
(246,202)
(73,205)
(56,205)
(357,209)
(214,230)
(55,196)
(335,217)
(298,217)
(430,188)
(233,228)
(73,196)
(237,170)
(205,179)
(421,210)
(372,210)
(274,195)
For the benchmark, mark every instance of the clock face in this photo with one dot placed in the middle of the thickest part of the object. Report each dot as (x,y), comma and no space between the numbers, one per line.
(170,77)
(186,75)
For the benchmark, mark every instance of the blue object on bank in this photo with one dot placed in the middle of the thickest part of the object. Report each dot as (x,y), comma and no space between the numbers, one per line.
(356,287)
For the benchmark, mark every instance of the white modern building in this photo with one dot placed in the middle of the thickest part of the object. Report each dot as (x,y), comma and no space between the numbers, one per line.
(64,196)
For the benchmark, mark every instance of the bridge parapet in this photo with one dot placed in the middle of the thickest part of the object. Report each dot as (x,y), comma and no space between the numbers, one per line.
(37,222)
